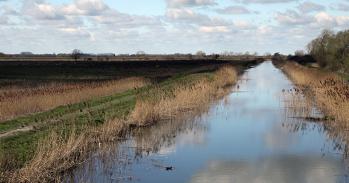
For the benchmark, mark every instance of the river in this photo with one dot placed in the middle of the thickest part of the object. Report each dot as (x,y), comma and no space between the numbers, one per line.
(245,137)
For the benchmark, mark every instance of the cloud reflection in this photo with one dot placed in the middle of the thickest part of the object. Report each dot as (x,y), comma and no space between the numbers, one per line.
(286,168)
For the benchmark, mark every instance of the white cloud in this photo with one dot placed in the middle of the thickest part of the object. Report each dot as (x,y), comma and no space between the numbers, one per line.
(264,29)
(307,7)
(210,29)
(189,3)
(265,1)
(4,20)
(343,21)
(320,20)
(43,11)
(291,17)
(326,20)
(340,7)
(89,7)
(183,14)
(233,10)
(196,24)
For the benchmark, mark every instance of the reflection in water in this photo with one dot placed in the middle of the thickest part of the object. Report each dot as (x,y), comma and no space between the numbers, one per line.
(285,168)
(301,114)
(165,136)
(113,160)
(247,137)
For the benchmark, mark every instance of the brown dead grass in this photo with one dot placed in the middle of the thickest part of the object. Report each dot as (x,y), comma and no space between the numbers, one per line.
(16,101)
(296,105)
(56,154)
(182,98)
(329,91)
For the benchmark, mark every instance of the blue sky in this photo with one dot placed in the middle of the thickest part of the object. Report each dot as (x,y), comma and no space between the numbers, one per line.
(166,26)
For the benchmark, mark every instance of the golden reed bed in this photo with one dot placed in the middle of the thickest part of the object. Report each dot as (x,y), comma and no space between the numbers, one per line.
(329,93)
(57,154)
(18,100)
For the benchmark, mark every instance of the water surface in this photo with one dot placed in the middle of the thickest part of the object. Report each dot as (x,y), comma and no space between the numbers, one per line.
(246,137)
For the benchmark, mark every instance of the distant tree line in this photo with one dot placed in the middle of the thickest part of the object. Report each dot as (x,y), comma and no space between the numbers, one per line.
(78,55)
(331,50)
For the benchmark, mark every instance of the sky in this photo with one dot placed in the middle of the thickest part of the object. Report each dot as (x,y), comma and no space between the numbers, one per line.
(166,26)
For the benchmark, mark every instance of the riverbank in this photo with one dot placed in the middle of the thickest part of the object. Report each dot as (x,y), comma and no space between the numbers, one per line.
(61,138)
(328,92)
(242,137)
(21,100)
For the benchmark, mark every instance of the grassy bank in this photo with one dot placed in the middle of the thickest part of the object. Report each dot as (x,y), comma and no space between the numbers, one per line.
(167,102)
(328,92)
(20,100)
(61,138)
(331,92)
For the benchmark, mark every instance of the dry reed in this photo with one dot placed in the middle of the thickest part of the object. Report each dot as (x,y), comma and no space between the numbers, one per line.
(16,101)
(56,154)
(329,93)
(182,98)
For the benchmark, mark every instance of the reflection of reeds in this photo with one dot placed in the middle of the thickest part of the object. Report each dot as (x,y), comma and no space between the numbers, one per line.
(297,106)
(117,157)
(327,92)
(330,93)
(19,100)
(58,153)
(168,104)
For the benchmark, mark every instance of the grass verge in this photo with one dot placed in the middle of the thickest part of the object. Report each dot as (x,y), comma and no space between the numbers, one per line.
(21,100)
(328,92)
(63,137)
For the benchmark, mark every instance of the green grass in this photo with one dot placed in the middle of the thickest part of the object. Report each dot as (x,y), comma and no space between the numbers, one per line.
(61,112)
(80,116)
(20,148)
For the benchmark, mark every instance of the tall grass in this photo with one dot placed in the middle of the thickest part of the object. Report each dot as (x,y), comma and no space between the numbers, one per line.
(168,103)
(60,152)
(329,93)
(16,101)
(298,106)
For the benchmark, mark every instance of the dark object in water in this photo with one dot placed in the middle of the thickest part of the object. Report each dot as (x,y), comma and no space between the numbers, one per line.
(326,118)
(169,168)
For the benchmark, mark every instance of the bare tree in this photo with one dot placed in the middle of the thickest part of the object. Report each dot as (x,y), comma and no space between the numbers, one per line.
(76,54)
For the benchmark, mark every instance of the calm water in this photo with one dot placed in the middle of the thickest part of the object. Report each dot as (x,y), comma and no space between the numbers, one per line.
(245,137)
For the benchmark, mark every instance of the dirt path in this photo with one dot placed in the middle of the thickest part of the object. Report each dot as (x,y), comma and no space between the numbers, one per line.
(28,128)
(14,132)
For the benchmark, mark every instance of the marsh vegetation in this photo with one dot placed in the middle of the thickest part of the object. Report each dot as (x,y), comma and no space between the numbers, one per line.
(41,146)
(21,100)
(244,136)
(55,122)
(325,91)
